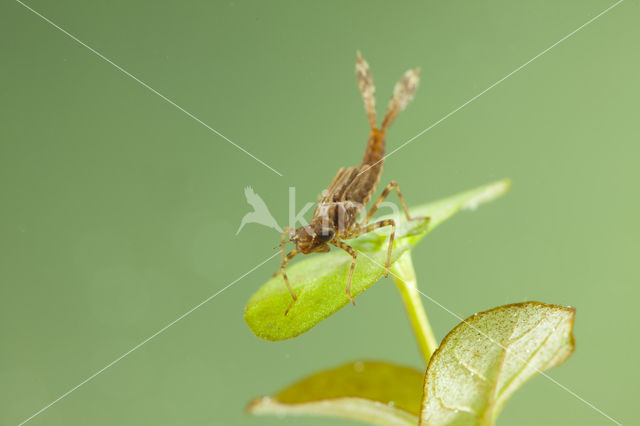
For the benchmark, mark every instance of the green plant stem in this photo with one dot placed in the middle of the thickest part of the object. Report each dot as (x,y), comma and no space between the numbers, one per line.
(405,278)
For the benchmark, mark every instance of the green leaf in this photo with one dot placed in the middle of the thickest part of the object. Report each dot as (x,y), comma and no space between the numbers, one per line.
(373,392)
(319,280)
(482,361)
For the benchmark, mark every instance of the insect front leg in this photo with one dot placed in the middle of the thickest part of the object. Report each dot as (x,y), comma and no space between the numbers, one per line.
(283,265)
(284,260)
(392,185)
(346,247)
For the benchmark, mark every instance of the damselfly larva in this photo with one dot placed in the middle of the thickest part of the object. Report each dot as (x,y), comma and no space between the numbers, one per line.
(336,216)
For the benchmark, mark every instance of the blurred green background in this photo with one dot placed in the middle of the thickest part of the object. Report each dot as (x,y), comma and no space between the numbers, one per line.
(119,212)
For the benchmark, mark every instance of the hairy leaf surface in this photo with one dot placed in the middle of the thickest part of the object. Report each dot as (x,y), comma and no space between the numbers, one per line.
(482,361)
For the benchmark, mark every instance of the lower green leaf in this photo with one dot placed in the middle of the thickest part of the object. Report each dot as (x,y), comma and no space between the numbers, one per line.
(482,361)
(372,392)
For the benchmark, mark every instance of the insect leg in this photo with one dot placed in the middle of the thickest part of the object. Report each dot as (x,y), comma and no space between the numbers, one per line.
(286,260)
(346,247)
(392,185)
(283,264)
(382,224)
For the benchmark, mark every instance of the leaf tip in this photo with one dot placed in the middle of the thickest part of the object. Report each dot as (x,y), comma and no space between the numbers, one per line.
(490,192)
(258,405)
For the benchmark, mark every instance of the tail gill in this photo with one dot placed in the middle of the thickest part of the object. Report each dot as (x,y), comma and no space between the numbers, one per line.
(403,93)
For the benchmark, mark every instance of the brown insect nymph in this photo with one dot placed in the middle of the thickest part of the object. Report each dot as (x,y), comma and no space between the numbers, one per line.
(336,216)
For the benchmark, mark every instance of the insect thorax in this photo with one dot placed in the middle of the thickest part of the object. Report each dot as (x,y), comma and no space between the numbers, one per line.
(341,216)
